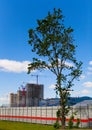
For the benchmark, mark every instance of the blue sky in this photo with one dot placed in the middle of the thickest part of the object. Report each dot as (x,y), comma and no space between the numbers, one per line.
(16,18)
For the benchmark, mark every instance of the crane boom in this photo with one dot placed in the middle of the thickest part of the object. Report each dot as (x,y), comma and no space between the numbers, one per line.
(36,78)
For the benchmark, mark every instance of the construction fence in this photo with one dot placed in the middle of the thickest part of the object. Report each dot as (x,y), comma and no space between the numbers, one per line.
(46,115)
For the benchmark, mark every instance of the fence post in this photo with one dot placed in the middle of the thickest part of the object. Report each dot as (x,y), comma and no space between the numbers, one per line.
(19,119)
(27,114)
(80,115)
(88,115)
(31,113)
(41,114)
(52,115)
(46,114)
(35,114)
(11,113)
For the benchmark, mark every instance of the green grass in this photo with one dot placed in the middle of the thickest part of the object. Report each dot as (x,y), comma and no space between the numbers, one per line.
(8,125)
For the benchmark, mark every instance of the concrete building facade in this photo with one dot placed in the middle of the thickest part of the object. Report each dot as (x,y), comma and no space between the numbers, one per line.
(13,99)
(34,93)
(30,95)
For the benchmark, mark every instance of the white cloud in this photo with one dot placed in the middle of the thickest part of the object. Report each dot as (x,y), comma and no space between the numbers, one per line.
(90,62)
(13,66)
(75,93)
(33,81)
(89,68)
(4,99)
(89,73)
(69,64)
(87,84)
(52,86)
(84,92)
(66,63)
(82,77)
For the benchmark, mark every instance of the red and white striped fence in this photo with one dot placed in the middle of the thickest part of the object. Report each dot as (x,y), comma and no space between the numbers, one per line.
(45,115)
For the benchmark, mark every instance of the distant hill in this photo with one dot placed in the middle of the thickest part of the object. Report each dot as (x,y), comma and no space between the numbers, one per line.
(71,101)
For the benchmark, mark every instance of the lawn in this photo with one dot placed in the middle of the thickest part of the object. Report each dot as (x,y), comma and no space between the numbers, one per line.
(8,125)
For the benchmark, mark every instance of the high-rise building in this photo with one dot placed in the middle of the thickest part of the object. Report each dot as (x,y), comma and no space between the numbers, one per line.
(19,98)
(13,100)
(34,93)
(30,95)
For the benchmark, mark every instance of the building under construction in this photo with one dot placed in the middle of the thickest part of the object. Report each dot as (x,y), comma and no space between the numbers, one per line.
(30,95)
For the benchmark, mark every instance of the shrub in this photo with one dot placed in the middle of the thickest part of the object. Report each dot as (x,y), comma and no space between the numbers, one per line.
(56,125)
(70,123)
(77,123)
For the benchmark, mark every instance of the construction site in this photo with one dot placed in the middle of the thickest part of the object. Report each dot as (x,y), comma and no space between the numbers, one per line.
(27,96)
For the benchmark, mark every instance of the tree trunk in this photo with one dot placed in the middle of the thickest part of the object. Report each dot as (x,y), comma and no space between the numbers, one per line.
(63,122)
(63,116)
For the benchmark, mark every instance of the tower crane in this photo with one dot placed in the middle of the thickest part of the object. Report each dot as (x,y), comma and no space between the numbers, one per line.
(36,77)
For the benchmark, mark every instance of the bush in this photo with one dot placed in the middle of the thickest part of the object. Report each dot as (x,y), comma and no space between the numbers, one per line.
(70,123)
(78,123)
(56,125)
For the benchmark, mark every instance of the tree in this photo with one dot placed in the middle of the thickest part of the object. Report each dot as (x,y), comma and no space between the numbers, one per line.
(54,43)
